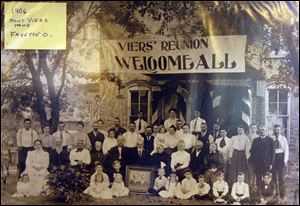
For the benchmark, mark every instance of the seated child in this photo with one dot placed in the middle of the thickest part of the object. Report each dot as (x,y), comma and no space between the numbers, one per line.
(202,189)
(118,188)
(268,191)
(99,188)
(116,169)
(160,183)
(186,189)
(211,175)
(99,170)
(171,187)
(240,190)
(254,195)
(24,187)
(220,189)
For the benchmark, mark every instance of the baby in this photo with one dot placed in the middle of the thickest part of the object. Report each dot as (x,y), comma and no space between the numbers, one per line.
(24,187)
(118,188)
(171,187)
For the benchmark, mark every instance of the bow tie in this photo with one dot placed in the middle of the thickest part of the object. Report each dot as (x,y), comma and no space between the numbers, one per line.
(79,150)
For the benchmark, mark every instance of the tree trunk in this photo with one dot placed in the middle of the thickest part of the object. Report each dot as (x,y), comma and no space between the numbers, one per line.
(38,87)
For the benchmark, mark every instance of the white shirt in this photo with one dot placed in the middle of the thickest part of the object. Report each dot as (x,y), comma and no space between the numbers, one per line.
(144,124)
(240,143)
(66,138)
(188,184)
(83,156)
(171,140)
(188,139)
(160,182)
(131,138)
(25,138)
(203,190)
(179,133)
(219,186)
(197,127)
(284,147)
(108,144)
(169,122)
(226,149)
(181,157)
(241,189)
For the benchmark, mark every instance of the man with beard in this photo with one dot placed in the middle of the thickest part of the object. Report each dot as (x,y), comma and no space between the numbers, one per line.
(95,135)
(118,129)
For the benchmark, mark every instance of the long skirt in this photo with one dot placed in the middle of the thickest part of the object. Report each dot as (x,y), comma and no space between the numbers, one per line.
(238,164)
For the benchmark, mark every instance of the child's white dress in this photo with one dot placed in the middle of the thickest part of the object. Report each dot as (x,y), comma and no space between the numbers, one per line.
(99,190)
(170,192)
(25,190)
(119,189)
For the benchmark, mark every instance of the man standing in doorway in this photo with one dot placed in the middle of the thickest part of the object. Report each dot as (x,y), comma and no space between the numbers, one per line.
(140,123)
(195,124)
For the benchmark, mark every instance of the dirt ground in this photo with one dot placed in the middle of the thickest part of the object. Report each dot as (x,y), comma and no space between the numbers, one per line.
(134,199)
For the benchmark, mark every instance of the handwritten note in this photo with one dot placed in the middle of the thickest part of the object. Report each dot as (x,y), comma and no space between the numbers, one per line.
(35,25)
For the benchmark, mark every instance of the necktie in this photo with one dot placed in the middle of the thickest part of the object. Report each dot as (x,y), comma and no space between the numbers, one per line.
(140,152)
(277,144)
(222,143)
(195,124)
(140,124)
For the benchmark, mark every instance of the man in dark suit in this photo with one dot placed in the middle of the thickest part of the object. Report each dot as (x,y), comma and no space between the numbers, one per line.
(197,159)
(148,140)
(118,129)
(97,155)
(95,135)
(214,157)
(262,155)
(139,155)
(118,152)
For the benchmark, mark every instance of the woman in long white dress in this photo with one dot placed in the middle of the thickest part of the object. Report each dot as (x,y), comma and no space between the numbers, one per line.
(37,163)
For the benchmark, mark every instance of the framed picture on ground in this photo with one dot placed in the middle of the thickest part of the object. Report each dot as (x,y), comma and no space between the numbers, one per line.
(139,178)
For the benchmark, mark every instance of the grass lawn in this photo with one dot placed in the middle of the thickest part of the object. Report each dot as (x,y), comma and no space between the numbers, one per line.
(134,199)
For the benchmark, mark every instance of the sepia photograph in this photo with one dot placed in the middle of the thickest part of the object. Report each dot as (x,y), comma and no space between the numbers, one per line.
(150,102)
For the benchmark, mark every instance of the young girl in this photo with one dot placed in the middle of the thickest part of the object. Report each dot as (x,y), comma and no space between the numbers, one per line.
(99,188)
(220,189)
(24,187)
(160,183)
(118,188)
(171,187)
(186,189)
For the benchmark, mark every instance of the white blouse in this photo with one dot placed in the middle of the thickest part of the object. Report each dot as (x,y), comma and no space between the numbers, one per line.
(181,157)
(108,144)
(241,143)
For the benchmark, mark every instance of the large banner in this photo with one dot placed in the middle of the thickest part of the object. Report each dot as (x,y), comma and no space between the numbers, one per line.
(167,55)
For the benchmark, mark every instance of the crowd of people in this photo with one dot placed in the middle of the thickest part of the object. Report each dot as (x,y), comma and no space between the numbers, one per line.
(190,162)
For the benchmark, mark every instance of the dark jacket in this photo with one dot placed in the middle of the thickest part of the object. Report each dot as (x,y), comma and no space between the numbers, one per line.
(197,162)
(262,152)
(149,144)
(99,137)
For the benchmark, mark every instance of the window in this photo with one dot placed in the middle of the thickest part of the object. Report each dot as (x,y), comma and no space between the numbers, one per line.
(278,110)
(139,102)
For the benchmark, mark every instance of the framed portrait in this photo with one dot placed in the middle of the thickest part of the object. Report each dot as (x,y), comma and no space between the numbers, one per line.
(139,178)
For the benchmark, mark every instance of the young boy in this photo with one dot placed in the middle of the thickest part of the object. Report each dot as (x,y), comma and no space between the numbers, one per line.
(268,191)
(160,183)
(186,189)
(211,175)
(240,190)
(220,189)
(202,189)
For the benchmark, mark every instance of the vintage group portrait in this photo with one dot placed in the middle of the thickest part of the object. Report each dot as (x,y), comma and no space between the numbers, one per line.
(150,102)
